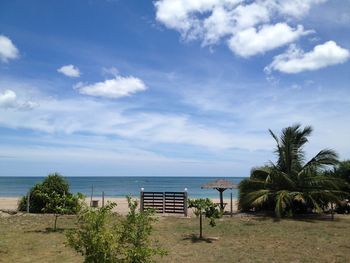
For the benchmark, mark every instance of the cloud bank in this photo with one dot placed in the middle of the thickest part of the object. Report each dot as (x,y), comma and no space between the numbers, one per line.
(237,21)
(250,28)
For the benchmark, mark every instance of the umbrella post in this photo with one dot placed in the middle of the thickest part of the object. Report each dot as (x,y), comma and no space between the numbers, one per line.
(221,199)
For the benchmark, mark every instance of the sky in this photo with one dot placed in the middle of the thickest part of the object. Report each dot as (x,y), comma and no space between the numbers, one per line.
(168,87)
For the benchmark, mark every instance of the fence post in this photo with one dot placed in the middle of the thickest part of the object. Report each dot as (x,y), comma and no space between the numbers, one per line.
(163,202)
(141,199)
(185,202)
(28,201)
(103,198)
(231,208)
(92,192)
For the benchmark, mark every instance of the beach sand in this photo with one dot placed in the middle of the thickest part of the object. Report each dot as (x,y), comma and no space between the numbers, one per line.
(10,203)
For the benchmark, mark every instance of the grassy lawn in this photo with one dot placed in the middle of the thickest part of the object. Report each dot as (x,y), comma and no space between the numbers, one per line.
(27,238)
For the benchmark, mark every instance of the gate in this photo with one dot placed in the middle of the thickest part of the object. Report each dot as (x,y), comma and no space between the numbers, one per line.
(164,202)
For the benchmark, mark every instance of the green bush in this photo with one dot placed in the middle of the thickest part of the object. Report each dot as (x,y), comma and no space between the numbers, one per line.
(49,195)
(103,236)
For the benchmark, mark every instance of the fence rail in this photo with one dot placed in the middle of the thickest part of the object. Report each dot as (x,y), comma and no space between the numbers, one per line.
(165,202)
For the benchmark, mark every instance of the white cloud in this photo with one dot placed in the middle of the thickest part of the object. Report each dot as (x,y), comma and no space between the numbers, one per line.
(177,14)
(69,71)
(112,88)
(250,15)
(9,100)
(7,49)
(238,20)
(217,25)
(296,8)
(296,60)
(110,71)
(250,42)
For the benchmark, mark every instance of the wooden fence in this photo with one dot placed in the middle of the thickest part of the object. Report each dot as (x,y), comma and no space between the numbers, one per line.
(164,202)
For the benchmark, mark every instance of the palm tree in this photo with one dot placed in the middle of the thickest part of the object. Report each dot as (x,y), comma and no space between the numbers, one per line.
(292,185)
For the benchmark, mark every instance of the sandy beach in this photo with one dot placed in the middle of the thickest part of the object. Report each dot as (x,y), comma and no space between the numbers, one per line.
(10,203)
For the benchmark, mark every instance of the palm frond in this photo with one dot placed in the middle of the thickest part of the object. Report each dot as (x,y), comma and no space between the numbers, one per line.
(297,196)
(281,178)
(322,182)
(324,157)
(260,173)
(256,198)
(282,201)
(315,204)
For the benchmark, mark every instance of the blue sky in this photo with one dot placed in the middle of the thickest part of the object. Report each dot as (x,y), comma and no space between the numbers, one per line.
(168,87)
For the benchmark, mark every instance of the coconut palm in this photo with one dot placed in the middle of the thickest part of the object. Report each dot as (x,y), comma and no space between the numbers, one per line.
(292,185)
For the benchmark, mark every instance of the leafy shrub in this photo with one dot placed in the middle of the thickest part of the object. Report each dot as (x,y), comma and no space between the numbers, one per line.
(102,236)
(95,238)
(49,195)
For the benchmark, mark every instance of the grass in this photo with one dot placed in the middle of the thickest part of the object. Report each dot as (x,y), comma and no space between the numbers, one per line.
(29,238)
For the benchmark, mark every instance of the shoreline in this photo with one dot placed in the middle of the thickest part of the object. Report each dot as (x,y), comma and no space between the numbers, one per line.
(10,203)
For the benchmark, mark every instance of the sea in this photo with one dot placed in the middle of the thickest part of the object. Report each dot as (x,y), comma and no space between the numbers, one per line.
(121,186)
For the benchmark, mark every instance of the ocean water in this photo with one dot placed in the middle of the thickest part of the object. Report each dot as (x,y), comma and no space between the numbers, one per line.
(121,186)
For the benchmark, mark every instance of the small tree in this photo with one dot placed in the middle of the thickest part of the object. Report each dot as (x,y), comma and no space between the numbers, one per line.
(208,208)
(56,204)
(106,237)
(45,195)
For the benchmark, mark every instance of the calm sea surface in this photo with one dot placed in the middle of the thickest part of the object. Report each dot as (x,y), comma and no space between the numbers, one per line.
(119,186)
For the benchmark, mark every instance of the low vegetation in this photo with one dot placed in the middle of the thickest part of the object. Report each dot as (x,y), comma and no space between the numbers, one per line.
(103,236)
(28,238)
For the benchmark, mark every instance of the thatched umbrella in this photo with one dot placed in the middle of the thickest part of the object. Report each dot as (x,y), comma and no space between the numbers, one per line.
(220,185)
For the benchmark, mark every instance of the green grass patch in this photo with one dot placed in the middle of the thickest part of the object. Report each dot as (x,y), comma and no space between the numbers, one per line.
(29,238)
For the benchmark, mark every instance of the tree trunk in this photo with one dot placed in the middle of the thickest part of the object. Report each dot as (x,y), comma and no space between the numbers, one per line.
(55,225)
